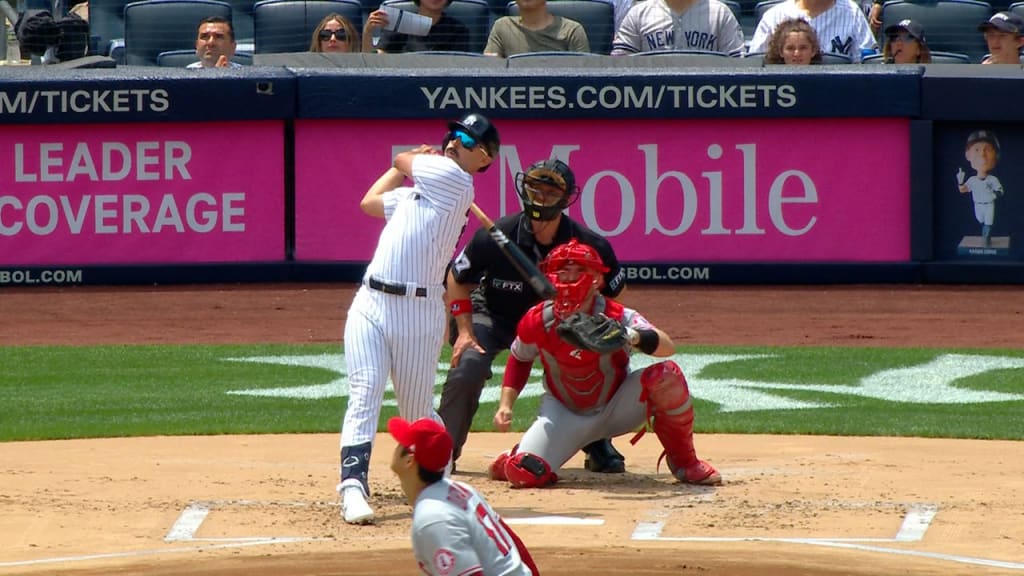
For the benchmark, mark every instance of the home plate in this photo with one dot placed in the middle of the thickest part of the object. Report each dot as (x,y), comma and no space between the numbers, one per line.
(555,521)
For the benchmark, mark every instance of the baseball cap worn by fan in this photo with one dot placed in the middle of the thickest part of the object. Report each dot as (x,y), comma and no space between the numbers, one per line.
(911,27)
(1005,22)
(428,441)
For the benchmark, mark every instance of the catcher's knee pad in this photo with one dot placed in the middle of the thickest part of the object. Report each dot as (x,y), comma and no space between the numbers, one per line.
(664,387)
(525,470)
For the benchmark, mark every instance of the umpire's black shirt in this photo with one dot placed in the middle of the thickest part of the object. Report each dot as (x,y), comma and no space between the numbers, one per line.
(503,293)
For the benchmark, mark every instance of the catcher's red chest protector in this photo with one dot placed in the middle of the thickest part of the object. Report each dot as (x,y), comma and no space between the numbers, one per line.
(580,379)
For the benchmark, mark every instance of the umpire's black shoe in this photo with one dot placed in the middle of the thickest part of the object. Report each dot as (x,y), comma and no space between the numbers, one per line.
(604,458)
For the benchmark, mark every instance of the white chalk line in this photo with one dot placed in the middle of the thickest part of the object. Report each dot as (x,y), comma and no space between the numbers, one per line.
(915,523)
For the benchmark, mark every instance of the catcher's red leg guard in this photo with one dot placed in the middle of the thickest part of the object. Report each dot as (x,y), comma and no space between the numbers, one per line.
(668,402)
(525,470)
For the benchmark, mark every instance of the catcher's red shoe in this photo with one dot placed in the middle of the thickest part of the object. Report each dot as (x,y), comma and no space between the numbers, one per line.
(496,471)
(700,473)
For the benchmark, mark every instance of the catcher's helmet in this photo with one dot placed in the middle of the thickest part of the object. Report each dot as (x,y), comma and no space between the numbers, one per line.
(480,128)
(984,136)
(552,172)
(573,293)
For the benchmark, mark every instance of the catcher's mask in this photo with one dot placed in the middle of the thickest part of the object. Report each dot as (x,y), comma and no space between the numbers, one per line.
(572,293)
(546,188)
(474,130)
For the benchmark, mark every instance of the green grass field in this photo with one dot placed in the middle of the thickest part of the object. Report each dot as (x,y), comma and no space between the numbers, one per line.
(104,391)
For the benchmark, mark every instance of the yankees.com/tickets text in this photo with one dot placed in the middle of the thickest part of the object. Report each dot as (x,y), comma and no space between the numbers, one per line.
(707,96)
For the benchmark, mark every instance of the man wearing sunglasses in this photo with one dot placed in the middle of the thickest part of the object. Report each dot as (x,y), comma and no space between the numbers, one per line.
(488,296)
(395,325)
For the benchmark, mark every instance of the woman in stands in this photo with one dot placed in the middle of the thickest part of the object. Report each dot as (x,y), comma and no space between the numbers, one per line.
(793,42)
(335,33)
(905,44)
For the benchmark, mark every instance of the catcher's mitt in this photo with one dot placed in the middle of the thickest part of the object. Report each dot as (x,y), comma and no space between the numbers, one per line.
(595,333)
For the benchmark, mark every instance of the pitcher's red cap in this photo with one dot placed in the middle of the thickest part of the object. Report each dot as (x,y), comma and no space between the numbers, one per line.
(427,440)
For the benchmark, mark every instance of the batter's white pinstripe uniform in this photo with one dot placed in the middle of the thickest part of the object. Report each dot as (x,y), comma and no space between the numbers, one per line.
(387,334)
(842,29)
(652,26)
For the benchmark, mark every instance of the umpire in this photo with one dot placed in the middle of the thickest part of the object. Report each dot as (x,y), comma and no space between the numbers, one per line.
(488,296)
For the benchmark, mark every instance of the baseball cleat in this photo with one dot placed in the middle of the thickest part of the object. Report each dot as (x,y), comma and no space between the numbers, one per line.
(603,458)
(354,508)
(700,473)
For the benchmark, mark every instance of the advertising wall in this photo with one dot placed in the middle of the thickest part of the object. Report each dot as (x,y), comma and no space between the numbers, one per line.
(139,193)
(793,190)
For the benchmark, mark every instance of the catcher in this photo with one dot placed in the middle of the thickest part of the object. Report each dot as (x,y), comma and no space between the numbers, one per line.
(584,340)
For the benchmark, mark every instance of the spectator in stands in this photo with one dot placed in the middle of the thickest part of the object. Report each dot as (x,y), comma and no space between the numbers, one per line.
(658,25)
(335,33)
(81,9)
(841,26)
(1004,38)
(446,33)
(905,44)
(875,15)
(793,42)
(535,30)
(215,44)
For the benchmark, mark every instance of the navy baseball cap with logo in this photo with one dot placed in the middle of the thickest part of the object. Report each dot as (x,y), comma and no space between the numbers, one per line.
(1004,22)
(427,441)
(983,136)
(908,25)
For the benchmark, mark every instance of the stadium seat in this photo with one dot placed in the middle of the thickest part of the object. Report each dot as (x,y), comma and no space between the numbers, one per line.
(1017,8)
(949,25)
(106,24)
(474,14)
(241,19)
(155,26)
(182,58)
(597,18)
(281,26)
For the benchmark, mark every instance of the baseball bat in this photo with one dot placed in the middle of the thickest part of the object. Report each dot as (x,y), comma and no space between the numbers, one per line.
(529,271)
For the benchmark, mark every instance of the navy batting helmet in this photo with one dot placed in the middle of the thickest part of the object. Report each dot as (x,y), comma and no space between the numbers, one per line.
(480,128)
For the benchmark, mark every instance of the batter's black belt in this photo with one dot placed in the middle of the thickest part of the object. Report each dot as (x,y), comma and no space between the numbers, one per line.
(396,289)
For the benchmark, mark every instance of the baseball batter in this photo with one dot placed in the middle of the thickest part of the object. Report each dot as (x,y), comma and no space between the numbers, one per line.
(590,395)
(983,154)
(454,530)
(841,26)
(395,324)
(659,25)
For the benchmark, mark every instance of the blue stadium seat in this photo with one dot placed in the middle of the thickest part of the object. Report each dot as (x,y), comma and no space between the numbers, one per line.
(761,7)
(106,23)
(474,14)
(832,58)
(281,26)
(597,18)
(241,19)
(949,25)
(155,26)
(1017,8)
(182,58)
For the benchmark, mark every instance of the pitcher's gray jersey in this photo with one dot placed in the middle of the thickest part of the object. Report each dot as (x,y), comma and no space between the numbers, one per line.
(842,29)
(455,531)
(652,26)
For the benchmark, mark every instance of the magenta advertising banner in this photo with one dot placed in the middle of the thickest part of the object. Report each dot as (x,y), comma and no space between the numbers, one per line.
(142,193)
(788,190)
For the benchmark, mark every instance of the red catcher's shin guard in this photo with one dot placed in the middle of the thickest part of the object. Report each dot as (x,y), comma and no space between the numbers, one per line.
(668,403)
